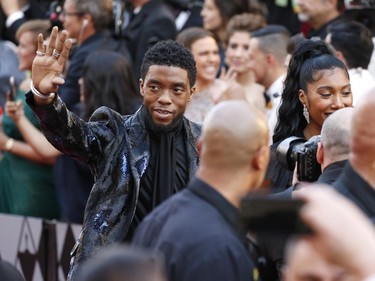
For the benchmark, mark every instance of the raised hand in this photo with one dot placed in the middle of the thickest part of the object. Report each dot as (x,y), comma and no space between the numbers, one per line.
(14,109)
(49,62)
(226,87)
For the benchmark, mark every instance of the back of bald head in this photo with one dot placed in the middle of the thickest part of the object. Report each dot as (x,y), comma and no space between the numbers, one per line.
(335,134)
(233,131)
(363,129)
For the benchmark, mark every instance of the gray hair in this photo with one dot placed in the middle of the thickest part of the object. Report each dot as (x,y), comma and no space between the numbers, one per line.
(100,11)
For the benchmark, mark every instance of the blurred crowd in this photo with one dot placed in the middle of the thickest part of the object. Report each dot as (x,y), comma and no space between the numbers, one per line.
(280,97)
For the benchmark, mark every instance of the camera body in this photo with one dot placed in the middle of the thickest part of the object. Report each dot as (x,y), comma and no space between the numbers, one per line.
(297,151)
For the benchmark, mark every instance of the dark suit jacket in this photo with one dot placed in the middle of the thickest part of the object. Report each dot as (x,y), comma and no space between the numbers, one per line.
(155,22)
(356,189)
(273,247)
(36,10)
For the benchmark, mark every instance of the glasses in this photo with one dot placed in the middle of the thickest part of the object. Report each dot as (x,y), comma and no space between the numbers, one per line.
(65,13)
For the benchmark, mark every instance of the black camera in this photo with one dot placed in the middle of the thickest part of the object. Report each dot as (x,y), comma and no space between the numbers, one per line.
(297,151)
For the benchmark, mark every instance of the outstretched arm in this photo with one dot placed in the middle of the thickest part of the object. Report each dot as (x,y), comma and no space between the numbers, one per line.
(48,66)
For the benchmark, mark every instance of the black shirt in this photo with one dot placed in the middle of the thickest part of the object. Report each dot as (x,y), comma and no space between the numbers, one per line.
(197,231)
(354,187)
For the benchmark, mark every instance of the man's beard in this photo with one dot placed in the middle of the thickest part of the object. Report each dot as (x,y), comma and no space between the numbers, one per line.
(162,129)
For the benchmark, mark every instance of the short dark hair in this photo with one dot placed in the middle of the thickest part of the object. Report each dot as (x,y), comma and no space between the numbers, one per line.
(309,58)
(188,36)
(273,39)
(170,53)
(354,41)
(122,262)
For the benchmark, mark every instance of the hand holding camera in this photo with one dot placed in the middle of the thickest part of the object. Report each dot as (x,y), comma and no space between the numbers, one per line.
(297,152)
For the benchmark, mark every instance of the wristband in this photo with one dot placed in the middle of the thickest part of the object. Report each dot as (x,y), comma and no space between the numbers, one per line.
(38,94)
(9,144)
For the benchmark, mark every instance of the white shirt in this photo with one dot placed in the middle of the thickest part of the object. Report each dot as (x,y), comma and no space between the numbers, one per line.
(274,92)
(361,81)
(371,66)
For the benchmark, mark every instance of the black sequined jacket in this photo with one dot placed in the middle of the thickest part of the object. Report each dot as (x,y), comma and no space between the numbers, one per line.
(117,149)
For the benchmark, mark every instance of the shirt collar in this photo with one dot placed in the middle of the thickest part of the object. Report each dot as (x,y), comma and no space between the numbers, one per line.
(209,194)
(276,87)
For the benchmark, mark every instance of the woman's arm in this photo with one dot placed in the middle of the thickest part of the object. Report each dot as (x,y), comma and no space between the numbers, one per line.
(30,133)
(22,149)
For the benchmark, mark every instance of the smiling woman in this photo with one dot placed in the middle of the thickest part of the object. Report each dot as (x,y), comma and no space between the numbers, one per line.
(317,84)
(206,55)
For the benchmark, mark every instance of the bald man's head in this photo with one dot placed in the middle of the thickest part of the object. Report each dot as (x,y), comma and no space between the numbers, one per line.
(335,135)
(362,146)
(233,132)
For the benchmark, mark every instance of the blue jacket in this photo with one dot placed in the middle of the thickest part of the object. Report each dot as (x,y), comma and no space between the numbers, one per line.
(117,149)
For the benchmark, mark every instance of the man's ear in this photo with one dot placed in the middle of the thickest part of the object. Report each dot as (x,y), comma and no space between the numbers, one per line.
(141,83)
(260,159)
(340,56)
(320,153)
(270,58)
(192,92)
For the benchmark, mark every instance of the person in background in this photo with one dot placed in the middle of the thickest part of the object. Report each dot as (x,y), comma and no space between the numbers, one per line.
(237,55)
(216,15)
(197,230)
(26,184)
(14,13)
(268,52)
(107,81)
(150,22)
(357,181)
(87,22)
(121,262)
(9,272)
(9,67)
(316,85)
(328,213)
(139,160)
(319,14)
(353,45)
(206,54)
(332,155)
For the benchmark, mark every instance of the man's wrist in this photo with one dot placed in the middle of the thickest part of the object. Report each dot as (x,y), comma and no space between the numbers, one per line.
(39,94)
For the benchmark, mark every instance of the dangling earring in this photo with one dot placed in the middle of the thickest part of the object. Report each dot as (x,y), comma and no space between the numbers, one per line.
(306,114)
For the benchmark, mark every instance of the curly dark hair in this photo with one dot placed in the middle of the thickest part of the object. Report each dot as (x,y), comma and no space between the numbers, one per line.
(170,53)
(306,64)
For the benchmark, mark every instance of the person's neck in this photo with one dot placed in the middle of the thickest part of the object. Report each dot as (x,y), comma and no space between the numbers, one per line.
(231,185)
(364,168)
(311,130)
(274,75)
(220,34)
(323,19)
(245,78)
(202,85)
(85,34)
